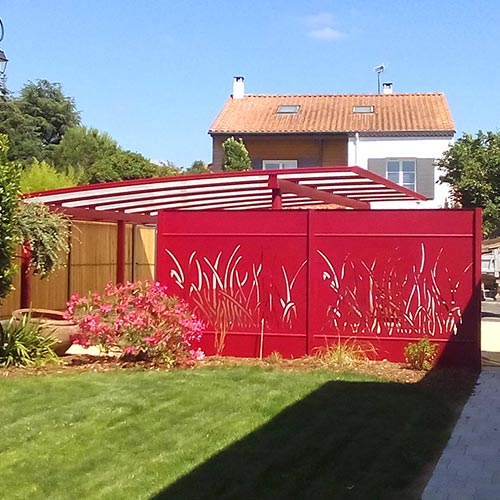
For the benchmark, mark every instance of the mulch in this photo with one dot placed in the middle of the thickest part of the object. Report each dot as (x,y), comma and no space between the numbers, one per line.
(394,372)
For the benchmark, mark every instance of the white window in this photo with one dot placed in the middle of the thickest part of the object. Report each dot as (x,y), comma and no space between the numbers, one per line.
(402,172)
(278,164)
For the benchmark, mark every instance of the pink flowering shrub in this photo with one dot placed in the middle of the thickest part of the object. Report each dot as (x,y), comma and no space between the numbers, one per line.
(140,320)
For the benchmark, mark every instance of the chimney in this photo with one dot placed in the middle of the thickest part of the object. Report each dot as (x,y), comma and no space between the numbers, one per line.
(387,88)
(238,87)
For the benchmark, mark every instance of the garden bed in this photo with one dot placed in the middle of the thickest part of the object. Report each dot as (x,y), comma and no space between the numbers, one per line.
(394,372)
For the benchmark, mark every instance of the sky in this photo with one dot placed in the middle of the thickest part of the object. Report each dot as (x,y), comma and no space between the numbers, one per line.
(155,73)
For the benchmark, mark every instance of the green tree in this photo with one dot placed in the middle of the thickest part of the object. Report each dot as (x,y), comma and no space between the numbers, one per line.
(24,144)
(36,120)
(198,167)
(9,196)
(472,168)
(81,147)
(166,169)
(121,166)
(52,112)
(236,156)
(40,176)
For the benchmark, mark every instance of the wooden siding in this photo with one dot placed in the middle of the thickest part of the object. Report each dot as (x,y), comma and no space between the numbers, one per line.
(90,265)
(308,150)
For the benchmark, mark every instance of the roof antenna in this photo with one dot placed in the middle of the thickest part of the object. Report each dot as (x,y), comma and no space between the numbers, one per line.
(378,70)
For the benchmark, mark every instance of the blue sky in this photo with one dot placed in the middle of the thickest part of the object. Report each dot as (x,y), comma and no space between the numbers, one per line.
(155,73)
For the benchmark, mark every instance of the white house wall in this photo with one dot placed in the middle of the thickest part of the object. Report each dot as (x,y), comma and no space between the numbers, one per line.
(363,148)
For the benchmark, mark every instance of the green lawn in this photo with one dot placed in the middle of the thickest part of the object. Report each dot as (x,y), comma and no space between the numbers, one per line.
(239,433)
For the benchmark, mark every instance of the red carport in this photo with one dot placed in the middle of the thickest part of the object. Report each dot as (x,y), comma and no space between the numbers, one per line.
(139,201)
(295,279)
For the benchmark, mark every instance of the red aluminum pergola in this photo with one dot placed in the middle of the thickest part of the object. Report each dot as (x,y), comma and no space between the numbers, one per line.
(139,201)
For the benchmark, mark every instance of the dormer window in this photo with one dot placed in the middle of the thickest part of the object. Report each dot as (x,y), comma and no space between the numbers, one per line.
(363,109)
(288,109)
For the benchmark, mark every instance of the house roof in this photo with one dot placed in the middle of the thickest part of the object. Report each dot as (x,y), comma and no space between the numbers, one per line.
(140,200)
(392,114)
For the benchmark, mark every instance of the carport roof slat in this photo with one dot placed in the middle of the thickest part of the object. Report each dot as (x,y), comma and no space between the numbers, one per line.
(244,190)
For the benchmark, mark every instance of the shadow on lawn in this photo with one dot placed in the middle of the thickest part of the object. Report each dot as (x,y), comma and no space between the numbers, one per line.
(343,441)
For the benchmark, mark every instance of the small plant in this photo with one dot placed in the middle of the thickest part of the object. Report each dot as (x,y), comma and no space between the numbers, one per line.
(22,343)
(275,358)
(344,354)
(421,355)
(140,321)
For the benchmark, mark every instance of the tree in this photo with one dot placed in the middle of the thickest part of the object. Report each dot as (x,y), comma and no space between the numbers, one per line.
(36,120)
(51,111)
(9,196)
(198,167)
(166,169)
(24,144)
(40,176)
(121,166)
(472,168)
(236,156)
(81,147)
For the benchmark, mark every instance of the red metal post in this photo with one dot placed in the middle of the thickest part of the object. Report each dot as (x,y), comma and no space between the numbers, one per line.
(120,252)
(476,294)
(25,276)
(273,183)
(276,203)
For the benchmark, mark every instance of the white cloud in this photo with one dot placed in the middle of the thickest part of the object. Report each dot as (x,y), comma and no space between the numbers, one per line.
(326,33)
(321,26)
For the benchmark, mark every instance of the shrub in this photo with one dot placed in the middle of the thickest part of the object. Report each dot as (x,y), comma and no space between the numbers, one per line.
(9,196)
(421,355)
(22,343)
(344,354)
(47,234)
(140,321)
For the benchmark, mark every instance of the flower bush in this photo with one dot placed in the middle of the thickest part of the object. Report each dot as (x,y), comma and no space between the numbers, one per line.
(140,321)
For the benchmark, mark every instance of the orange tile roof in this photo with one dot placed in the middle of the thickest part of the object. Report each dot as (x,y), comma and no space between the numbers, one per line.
(334,113)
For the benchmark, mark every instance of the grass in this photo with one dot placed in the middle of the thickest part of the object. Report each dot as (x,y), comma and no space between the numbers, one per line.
(216,433)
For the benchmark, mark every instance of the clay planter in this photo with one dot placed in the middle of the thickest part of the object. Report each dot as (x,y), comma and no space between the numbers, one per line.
(52,325)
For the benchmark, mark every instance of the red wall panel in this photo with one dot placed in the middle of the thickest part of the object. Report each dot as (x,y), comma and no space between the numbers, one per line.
(293,281)
(245,275)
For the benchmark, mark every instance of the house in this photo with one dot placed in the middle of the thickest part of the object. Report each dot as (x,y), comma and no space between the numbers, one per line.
(398,136)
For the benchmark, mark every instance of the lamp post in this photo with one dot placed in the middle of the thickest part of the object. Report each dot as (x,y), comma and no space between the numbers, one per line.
(3,63)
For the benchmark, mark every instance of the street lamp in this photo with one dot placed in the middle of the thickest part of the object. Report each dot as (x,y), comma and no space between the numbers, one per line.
(3,62)
(3,65)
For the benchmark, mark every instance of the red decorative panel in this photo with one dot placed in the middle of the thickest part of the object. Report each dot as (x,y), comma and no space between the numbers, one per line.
(386,278)
(244,273)
(292,281)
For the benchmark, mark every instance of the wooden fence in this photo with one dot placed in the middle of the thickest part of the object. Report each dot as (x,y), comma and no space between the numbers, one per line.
(90,265)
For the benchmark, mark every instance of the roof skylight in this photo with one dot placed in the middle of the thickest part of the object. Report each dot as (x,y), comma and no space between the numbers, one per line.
(288,108)
(363,109)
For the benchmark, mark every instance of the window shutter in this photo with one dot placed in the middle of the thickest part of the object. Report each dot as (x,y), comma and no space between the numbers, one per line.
(425,177)
(377,166)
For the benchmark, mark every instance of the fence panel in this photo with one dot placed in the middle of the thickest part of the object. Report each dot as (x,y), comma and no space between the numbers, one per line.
(89,266)
(385,278)
(245,275)
(293,281)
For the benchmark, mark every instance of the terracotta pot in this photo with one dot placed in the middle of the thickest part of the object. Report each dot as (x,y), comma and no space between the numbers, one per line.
(52,325)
